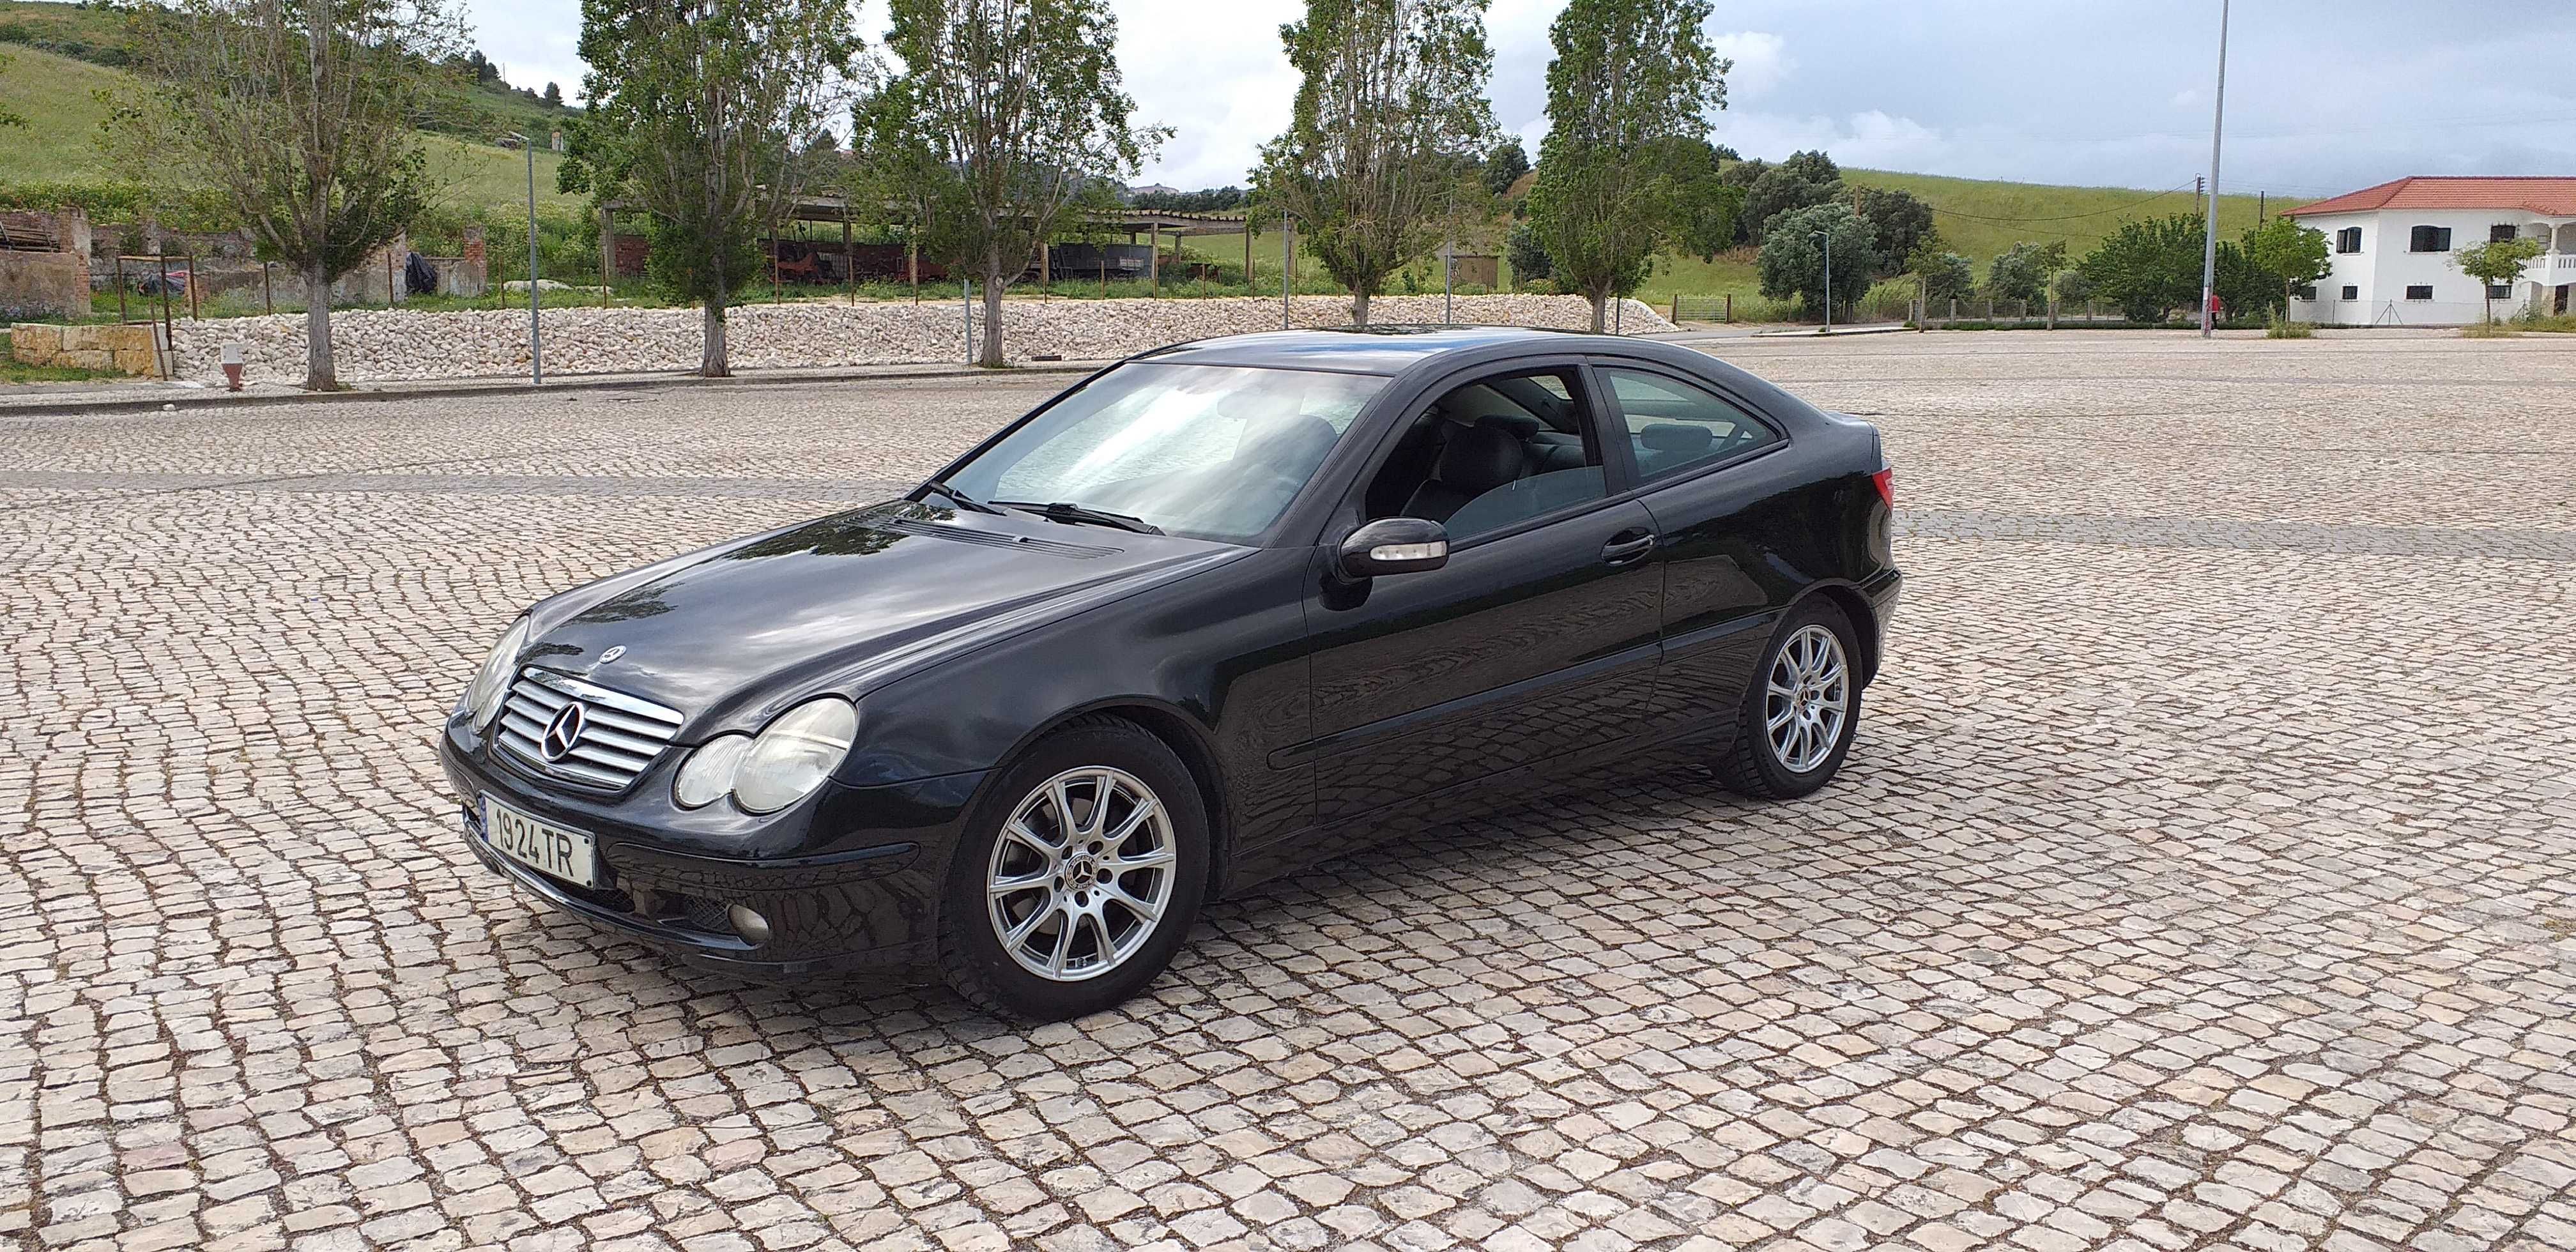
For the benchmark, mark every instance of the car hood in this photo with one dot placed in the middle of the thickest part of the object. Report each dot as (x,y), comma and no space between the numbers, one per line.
(731,635)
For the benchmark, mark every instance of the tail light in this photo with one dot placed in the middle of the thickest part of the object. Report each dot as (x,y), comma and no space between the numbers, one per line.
(1885,481)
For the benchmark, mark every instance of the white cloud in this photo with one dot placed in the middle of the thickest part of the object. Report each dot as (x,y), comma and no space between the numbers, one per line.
(1762,62)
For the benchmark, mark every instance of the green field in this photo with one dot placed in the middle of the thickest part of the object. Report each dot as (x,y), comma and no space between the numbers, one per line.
(1978,218)
(60,143)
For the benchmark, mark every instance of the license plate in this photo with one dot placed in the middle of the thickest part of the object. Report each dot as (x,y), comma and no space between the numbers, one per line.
(541,846)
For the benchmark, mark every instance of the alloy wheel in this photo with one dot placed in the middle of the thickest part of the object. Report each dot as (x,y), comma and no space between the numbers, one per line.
(1081,874)
(1806,698)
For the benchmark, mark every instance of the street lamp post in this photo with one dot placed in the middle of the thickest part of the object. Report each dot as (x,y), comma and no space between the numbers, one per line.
(536,340)
(2209,227)
(1827,236)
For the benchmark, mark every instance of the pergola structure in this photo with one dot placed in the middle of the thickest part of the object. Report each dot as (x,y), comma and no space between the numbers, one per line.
(1152,223)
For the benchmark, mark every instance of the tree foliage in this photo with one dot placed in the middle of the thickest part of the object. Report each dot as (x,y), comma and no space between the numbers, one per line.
(2292,253)
(1204,200)
(1629,97)
(299,113)
(1945,275)
(1899,222)
(2148,267)
(1793,257)
(1375,166)
(1505,165)
(1785,188)
(1008,125)
(1708,211)
(699,115)
(2021,272)
(2494,263)
(1528,256)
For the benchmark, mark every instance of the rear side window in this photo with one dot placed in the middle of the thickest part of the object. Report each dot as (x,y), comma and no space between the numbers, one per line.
(1675,426)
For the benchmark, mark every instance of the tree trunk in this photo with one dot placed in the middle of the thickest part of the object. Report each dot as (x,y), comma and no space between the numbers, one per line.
(1600,310)
(990,356)
(1359,308)
(318,372)
(713,361)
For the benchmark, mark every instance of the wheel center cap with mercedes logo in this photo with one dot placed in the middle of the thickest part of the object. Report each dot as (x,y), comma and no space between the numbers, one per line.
(563,734)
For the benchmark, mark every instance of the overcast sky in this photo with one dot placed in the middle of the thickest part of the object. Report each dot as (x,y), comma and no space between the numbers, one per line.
(2323,96)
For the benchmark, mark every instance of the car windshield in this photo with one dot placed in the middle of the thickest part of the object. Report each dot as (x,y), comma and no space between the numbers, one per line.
(1210,451)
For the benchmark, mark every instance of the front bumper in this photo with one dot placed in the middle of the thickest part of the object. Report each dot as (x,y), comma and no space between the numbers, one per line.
(851,884)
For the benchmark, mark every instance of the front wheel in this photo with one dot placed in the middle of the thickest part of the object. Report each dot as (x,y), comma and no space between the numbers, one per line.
(1078,877)
(1801,710)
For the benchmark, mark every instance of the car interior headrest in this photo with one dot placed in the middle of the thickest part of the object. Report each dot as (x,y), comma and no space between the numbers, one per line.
(1479,458)
(1293,445)
(1676,437)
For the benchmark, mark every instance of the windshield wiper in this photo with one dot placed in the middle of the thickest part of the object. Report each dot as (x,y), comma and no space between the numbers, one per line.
(936,487)
(1062,511)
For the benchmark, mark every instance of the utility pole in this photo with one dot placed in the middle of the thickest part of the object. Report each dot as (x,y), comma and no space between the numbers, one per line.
(2217,131)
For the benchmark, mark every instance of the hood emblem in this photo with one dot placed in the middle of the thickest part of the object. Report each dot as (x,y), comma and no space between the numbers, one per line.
(612,654)
(563,734)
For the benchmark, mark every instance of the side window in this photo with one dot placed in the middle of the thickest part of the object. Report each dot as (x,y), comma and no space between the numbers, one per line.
(1491,454)
(2348,239)
(1674,425)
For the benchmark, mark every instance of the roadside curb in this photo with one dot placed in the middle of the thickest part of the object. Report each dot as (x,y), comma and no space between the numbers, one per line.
(423,389)
(1836,333)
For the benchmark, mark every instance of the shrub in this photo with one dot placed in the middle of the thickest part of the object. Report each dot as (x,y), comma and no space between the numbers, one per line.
(2486,330)
(2281,327)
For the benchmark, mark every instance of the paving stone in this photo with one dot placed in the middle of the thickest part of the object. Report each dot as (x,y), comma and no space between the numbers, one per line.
(2201,877)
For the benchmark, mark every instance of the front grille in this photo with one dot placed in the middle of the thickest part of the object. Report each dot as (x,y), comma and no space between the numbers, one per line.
(621,734)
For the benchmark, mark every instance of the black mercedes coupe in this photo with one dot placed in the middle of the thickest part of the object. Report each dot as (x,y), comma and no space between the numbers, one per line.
(1216,612)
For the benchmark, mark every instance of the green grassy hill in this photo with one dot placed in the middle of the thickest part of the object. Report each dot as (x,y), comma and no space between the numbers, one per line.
(1979,218)
(59,144)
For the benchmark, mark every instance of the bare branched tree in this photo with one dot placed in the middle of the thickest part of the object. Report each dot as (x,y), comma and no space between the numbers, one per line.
(299,112)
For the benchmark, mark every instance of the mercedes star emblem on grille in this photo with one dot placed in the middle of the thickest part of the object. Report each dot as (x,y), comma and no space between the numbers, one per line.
(612,654)
(564,733)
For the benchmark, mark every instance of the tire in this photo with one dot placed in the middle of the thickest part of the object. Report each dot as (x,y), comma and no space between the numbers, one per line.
(1758,763)
(1081,941)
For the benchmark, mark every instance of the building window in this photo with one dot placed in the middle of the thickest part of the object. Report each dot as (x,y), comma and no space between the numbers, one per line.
(2501,232)
(2420,291)
(2499,291)
(2429,239)
(2351,291)
(2348,239)
(2305,291)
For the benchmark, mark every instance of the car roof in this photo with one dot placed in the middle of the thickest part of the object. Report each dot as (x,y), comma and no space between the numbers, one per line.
(1364,350)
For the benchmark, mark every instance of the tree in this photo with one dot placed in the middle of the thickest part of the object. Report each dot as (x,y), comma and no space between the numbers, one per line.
(2148,267)
(299,114)
(1898,221)
(1505,165)
(2293,254)
(1813,167)
(2021,272)
(1008,126)
(1793,258)
(698,113)
(1708,210)
(1391,97)
(553,99)
(2070,286)
(1528,256)
(1629,97)
(1782,189)
(2495,263)
(1945,275)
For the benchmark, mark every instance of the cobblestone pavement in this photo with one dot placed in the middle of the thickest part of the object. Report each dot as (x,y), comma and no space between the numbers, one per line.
(2204,877)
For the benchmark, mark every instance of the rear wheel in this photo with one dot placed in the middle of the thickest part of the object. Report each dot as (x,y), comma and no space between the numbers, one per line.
(1078,877)
(1801,710)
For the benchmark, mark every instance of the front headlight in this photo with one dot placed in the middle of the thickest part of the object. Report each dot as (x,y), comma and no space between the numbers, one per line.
(795,754)
(710,771)
(483,697)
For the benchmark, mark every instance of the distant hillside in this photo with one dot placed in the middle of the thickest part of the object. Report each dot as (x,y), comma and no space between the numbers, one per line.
(1980,218)
(55,93)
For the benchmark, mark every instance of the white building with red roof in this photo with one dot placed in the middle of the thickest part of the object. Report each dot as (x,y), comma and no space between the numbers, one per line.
(2392,247)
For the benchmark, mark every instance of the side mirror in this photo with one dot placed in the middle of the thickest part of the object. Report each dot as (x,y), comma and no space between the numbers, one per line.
(1395,545)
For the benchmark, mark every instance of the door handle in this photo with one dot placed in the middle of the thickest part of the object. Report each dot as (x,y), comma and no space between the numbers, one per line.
(1628,545)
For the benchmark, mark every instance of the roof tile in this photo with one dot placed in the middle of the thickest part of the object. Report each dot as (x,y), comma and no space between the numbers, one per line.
(2555,197)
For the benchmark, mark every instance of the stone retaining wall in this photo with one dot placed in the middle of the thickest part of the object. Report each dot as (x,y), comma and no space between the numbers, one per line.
(376,345)
(128,348)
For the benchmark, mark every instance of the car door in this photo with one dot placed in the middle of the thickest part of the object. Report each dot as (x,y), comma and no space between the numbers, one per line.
(1525,652)
(1710,471)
